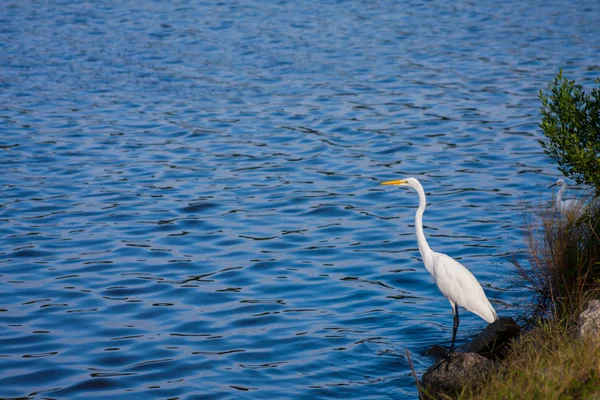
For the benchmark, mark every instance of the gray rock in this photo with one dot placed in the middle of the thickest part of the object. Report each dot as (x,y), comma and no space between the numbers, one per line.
(448,376)
(588,323)
(494,341)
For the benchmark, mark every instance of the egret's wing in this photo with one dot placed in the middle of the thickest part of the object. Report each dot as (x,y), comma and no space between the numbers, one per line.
(459,285)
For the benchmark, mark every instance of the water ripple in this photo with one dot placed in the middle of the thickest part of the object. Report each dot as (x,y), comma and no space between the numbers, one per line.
(190,203)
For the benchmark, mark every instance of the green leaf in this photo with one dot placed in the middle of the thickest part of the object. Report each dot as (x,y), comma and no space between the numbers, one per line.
(571,124)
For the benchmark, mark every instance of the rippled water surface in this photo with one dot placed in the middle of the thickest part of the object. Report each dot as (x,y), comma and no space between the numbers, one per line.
(190,204)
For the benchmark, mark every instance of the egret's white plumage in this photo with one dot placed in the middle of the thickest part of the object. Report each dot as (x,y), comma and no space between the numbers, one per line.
(455,281)
(565,207)
(460,286)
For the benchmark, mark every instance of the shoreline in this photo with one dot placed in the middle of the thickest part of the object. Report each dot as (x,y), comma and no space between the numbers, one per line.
(556,354)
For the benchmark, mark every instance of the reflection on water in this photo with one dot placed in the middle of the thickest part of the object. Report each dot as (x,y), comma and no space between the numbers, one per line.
(190,200)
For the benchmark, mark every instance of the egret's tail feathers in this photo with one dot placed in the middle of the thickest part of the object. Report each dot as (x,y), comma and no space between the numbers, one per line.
(491,315)
(487,313)
(494,314)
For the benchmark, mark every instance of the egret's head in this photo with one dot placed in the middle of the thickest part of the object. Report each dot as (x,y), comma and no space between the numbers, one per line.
(409,182)
(559,182)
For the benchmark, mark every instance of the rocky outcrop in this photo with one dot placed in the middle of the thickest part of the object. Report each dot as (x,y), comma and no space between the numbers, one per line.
(494,341)
(448,375)
(588,323)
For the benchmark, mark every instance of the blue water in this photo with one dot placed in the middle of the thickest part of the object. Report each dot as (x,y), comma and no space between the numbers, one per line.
(189,198)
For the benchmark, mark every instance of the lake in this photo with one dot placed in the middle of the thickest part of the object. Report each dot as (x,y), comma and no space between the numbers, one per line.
(190,202)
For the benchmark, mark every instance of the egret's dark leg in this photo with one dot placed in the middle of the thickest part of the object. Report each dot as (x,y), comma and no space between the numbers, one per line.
(455,328)
(449,355)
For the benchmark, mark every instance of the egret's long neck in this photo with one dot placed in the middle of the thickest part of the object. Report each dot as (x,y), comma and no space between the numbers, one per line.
(424,248)
(560,194)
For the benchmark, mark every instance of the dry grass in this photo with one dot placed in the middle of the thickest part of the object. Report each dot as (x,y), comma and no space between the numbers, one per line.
(564,260)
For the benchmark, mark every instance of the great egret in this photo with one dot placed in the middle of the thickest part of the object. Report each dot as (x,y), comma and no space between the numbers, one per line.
(455,281)
(566,207)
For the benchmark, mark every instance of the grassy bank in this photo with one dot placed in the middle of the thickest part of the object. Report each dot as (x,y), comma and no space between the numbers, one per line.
(548,361)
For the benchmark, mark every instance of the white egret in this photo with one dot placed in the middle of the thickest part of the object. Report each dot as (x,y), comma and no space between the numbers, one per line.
(566,207)
(455,281)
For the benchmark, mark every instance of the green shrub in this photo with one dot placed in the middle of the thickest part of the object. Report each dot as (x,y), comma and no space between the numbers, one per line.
(571,122)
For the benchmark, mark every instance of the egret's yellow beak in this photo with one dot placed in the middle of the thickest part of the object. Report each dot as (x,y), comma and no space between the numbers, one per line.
(400,182)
